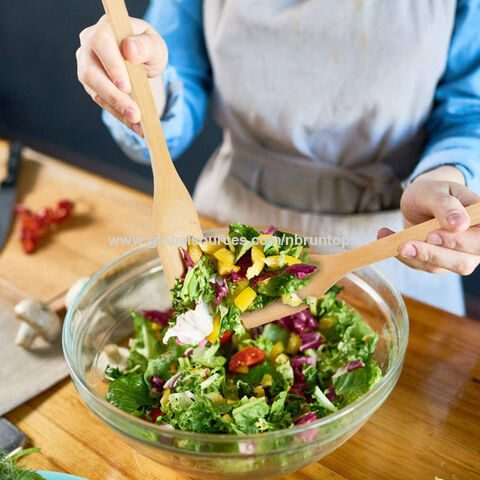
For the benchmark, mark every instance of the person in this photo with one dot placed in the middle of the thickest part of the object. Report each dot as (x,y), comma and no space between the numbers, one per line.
(339,118)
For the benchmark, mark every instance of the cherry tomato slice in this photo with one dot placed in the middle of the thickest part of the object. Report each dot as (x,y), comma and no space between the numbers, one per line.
(249,357)
(225,336)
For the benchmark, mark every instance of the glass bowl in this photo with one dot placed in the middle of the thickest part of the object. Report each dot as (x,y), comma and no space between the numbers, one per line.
(100,315)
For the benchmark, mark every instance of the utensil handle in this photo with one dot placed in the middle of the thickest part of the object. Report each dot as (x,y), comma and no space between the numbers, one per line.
(387,247)
(119,20)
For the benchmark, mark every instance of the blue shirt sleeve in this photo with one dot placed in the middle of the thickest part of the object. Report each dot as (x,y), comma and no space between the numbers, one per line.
(454,124)
(187,79)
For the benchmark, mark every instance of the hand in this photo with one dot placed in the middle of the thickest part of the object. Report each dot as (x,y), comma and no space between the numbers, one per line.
(455,247)
(102,71)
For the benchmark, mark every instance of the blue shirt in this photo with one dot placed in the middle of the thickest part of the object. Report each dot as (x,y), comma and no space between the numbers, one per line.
(453,125)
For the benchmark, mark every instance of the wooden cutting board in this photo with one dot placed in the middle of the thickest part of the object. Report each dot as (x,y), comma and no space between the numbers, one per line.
(104,211)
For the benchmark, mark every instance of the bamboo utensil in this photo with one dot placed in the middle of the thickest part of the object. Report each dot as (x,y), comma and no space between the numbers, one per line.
(174,213)
(331,268)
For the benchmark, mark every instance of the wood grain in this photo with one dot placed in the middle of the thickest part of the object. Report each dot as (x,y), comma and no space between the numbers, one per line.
(428,426)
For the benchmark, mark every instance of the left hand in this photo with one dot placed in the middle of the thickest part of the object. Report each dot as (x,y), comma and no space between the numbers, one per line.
(455,247)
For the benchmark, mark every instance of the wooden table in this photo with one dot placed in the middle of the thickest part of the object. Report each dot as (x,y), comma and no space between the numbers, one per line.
(430,424)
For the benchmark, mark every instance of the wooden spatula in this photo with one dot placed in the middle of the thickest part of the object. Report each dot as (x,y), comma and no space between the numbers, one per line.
(174,213)
(331,268)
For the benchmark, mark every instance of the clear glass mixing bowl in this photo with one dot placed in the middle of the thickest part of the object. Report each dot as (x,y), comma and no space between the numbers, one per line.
(100,315)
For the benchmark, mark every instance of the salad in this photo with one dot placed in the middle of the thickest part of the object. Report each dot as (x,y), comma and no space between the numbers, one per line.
(197,368)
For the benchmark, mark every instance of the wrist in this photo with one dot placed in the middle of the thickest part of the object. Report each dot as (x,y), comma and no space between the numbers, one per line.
(445,173)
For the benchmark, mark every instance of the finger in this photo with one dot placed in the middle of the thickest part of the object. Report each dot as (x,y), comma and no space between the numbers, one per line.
(384,232)
(431,258)
(148,49)
(102,41)
(468,241)
(92,75)
(102,103)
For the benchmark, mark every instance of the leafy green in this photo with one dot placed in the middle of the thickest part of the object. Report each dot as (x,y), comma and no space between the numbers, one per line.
(207,356)
(11,469)
(146,343)
(242,236)
(281,285)
(247,415)
(129,393)
(291,244)
(353,385)
(322,400)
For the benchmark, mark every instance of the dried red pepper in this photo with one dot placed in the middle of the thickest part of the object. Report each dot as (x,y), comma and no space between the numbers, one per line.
(34,226)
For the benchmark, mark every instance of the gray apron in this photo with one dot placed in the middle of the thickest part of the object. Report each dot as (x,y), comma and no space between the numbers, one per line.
(322,104)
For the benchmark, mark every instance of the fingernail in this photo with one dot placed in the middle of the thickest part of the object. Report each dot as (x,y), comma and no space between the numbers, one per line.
(435,239)
(123,85)
(137,129)
(408,251)
(131,114)
(455,218)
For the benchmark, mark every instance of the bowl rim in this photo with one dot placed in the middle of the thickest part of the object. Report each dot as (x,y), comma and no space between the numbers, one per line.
(228,437)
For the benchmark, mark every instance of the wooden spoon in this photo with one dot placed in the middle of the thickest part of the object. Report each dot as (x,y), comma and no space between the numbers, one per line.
(174,213)
(331,268)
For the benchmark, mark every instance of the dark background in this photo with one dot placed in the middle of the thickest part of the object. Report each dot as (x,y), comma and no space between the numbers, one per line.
(42,103)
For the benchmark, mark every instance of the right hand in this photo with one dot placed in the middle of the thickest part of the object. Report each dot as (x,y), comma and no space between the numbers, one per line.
(102,70)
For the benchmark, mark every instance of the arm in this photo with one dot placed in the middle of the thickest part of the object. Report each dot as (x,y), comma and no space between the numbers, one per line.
(448,175)
(454,125)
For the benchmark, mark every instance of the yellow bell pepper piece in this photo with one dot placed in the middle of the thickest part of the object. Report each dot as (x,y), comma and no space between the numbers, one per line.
(226,268)
(195,252)
(212,338)
(227,418)
(258,259)
(293,344)
(244,299)
(259,392)
(326,322)
(164,399)
(276,350)
(277,261)
(224,255)
(212,247)
(267,380)
(242,369)
(257,254)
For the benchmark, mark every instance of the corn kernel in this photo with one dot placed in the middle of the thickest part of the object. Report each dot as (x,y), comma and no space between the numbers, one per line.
(244,299)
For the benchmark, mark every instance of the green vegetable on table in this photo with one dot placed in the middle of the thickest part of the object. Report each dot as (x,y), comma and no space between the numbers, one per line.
(12,469)
(196,368)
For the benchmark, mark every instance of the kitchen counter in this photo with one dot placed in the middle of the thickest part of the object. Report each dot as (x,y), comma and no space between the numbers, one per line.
(430,424)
